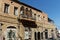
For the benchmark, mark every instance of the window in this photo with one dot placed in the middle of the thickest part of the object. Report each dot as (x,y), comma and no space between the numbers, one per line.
(43,16)
(35,35)
(11,35)
(46,33)
(6,8)
(15,11)
(26,33)
(34,16)
(22,10)
(42,35)
(39,17)
(38,35)
(27,12)
(30,13)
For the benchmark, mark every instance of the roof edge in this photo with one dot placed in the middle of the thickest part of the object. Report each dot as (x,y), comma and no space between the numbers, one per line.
(26,5)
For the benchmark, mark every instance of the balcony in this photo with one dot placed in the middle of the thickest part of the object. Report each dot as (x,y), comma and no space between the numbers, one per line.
(26,17)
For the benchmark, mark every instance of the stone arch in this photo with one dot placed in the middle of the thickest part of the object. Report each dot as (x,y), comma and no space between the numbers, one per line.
(11,27)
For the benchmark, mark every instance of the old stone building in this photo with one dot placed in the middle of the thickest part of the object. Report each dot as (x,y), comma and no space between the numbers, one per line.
(19,21)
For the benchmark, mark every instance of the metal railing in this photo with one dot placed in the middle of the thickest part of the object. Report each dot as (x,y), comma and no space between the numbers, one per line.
(28,17)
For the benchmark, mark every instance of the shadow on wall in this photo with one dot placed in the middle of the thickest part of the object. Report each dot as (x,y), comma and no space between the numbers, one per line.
(29,24)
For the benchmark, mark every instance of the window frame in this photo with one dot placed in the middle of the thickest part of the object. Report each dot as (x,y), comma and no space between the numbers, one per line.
(22,10)
(6,8)
(16,11)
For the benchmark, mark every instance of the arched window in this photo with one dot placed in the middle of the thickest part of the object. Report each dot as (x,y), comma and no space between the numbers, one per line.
(27,11)
(22,10)
(30,13)
(46,33)
(41,35)
(27,33)
(38,35)
(11,33)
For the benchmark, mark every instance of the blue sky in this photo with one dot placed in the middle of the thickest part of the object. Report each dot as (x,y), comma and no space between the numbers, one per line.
(50,7)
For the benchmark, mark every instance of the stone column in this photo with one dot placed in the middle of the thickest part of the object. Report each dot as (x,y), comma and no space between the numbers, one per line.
(43,35)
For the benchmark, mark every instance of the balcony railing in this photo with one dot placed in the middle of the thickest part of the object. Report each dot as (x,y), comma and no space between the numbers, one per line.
(27,17)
